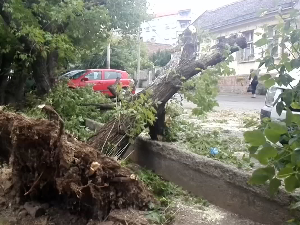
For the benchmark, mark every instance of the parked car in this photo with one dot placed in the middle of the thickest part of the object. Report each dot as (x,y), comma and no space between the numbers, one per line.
(269,110)
(100,79)
(69,74)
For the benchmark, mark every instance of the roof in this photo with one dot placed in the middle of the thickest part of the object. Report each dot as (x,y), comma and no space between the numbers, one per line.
(171,13)
(239,11)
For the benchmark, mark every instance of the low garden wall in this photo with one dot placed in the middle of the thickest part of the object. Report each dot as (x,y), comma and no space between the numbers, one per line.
(220,184)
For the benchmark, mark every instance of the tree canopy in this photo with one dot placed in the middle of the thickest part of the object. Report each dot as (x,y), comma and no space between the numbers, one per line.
(39,38)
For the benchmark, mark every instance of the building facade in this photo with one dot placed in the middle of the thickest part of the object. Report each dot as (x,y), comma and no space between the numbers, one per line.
(251,18)
(166,28)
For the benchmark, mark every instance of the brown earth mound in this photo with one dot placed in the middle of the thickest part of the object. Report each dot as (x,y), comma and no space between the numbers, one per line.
(49,166)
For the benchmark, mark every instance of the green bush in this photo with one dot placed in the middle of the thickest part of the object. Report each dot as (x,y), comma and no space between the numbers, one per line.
(68,103)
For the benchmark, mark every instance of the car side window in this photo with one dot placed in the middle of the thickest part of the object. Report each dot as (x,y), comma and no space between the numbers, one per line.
(96,75)
(77,75)
(111,75)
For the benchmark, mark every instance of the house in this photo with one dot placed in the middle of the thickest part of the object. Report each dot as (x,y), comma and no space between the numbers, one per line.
(247,17)
(165,28)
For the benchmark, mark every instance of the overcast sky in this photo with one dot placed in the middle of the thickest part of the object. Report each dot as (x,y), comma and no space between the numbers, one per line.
(198,6)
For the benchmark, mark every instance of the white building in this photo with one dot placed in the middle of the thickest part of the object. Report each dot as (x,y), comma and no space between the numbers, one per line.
(245,16)
(166,28)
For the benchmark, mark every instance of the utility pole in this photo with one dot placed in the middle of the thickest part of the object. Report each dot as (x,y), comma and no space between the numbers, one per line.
(108,56)
(138,58)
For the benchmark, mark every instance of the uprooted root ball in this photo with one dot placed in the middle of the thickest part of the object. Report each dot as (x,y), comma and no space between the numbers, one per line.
(47,167)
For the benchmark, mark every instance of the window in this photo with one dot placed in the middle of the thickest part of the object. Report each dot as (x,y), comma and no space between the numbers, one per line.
(167,27)
(94,75)
(247,54)
(147,29)
(184,13)
(110,75)
(77,75)
(153,39)
(184,24)
(273,41)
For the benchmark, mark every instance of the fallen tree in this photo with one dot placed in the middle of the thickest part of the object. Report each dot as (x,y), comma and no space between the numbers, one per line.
(115,133)
(49,164)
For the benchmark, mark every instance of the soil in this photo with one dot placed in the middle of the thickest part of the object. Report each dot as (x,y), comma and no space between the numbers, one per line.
(210,215)
(49,166)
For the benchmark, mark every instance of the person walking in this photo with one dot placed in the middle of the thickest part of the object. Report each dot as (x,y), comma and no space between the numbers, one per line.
(254,82)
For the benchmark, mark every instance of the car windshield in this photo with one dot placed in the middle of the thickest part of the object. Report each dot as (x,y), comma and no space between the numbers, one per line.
(77,75)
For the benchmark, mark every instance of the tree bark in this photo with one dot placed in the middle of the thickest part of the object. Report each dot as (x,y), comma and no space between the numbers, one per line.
(40,74)
(163,88)
(5,67)
(52,63)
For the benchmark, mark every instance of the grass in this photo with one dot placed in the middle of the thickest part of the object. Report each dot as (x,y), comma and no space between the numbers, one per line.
(168,195)
(197,140)
(251,121)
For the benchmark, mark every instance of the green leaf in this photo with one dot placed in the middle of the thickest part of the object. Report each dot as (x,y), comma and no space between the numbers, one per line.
(291,183)
(261,64)
(272,135)
(269,83)
(263,161)
(261,42)
(253,149)
(295,105)
(295,63)
(261,175)
(280,107)
(265,77)
(289,117)
(296,119)
(288,66)
(295,158)
(267,152)
(295,36)
(274,186)
(278,128)
(285,172)
(255,138)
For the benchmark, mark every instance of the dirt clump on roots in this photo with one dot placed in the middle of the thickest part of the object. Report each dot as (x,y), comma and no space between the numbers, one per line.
(52,167)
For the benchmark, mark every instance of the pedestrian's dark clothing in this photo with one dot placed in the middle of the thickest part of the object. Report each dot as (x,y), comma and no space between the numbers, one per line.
(254,83)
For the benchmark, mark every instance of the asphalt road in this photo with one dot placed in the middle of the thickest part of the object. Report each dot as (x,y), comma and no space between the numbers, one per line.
(236,102)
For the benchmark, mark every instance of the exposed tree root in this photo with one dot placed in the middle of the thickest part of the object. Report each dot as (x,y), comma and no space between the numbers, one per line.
(71,172)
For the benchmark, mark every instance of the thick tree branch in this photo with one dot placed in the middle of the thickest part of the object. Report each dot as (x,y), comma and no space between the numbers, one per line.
(163,88)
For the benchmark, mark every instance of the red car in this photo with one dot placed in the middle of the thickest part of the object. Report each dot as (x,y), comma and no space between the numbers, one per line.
(100,79)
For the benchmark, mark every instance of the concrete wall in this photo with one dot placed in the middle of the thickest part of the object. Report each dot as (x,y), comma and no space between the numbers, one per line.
(220,184)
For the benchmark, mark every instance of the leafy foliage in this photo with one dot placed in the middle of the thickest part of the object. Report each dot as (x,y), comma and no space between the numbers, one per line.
(47,37)
(140,112)
(161,58)
(168,194)
(203,89)
(123,56)
(68,103)
(276,145)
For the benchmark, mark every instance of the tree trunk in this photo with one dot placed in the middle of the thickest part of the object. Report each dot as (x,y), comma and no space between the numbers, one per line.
(5,67)
(164,87)
(52,63)
(41,75)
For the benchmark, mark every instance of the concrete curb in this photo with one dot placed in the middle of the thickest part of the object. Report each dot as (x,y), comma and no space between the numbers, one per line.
(93,125)
(220,184)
